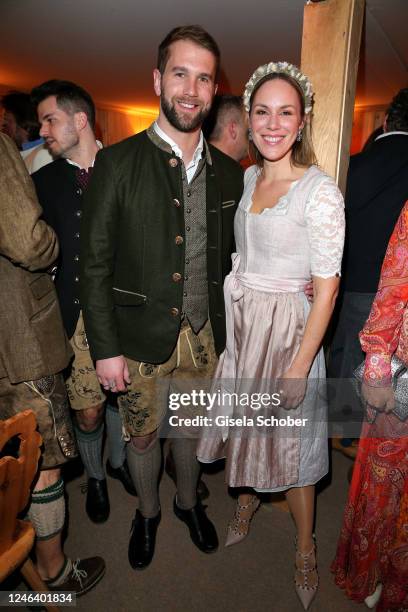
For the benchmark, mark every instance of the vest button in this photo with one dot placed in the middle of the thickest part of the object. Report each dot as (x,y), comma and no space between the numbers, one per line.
(173,161)
(174,312)
(76,302)
(179,240)
(78,213)
(176,277)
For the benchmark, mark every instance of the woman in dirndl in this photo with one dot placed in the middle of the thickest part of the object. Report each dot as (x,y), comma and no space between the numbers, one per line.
(289,230)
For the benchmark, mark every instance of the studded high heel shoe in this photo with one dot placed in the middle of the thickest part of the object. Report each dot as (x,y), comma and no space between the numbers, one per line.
(305,591)
(238,527)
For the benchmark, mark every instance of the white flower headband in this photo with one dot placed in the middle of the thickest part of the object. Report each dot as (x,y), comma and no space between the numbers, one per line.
(280,68)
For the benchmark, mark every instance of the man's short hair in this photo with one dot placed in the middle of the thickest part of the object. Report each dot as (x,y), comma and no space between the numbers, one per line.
(20,106)
(397,113)
(225,108)
(193,33)
(70,97)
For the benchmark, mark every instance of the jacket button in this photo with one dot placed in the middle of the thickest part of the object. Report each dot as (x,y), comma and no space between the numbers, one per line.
(176,277)
(173,162)
(174,312)
(176,202)
(179,240)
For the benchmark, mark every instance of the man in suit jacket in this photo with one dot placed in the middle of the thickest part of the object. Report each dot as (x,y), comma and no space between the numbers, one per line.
(33,352)
(157,235)
(377,188)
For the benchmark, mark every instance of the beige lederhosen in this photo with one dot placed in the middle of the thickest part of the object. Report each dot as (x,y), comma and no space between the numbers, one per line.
(144,404)
(84,389)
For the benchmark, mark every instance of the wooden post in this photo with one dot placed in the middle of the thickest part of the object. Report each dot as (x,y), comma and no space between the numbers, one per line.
(330,54)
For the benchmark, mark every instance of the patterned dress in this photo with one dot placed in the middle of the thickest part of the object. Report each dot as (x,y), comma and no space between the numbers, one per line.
(373,544)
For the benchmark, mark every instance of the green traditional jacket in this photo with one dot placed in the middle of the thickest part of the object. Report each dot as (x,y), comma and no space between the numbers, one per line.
(132,248)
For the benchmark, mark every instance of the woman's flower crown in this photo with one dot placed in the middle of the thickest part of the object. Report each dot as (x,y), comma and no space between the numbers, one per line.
(280,68)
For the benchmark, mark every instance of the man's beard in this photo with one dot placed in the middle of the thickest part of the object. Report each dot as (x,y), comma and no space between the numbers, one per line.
(64,148)
(183,124)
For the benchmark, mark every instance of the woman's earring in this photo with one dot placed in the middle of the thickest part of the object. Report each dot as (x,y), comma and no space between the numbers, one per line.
(249,134)
(299,136)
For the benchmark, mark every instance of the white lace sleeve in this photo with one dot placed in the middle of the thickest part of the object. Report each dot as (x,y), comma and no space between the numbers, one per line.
(325,226)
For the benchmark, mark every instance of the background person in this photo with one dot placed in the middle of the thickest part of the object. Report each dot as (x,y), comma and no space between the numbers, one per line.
(33,353)
(67,116)
(371,563)
(228,124)
(377,187)
(21,124)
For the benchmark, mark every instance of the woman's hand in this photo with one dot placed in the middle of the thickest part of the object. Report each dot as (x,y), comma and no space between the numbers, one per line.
(292,388)
(380,398)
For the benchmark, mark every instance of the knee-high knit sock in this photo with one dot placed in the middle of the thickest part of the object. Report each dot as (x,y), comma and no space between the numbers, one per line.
(144,467)
(90,449)
(187,471)
(114,436)
(47,510)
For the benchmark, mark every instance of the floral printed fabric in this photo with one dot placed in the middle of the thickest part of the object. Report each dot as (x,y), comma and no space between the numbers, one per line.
(386,329)
(373,544)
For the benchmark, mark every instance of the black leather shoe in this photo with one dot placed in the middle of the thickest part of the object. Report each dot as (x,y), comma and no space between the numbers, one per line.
(202,531)
(122,473)
(170,469)
(142,540)
(97,500)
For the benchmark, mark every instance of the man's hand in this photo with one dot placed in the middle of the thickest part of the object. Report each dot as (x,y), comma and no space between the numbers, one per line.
(380,398)
(113,373)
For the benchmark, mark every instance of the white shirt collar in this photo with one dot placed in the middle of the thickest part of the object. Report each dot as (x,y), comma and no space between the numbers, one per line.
(100,146)
(391,134)
(192,166)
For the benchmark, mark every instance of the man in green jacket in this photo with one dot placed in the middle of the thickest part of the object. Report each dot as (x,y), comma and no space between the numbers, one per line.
(156,239)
